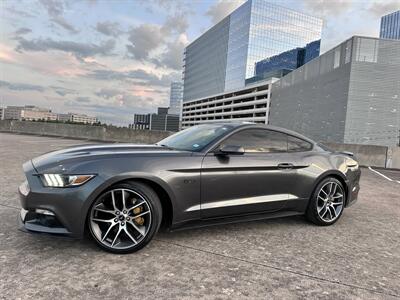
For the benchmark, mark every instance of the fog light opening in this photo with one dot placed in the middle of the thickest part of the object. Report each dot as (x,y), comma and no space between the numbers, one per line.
(44,212)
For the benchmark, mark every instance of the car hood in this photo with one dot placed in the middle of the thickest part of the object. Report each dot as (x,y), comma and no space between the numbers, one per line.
(90,152)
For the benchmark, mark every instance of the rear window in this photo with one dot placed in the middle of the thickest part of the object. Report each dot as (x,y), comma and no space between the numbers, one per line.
(298,145)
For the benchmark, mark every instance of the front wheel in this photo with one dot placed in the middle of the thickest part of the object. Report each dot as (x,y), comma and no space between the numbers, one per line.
(125,218)
(327,202)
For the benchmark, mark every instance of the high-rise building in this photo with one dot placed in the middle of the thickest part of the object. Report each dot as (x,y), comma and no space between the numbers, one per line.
(288,60)
(222,59)
(350,94)
(390,26)
(175,98)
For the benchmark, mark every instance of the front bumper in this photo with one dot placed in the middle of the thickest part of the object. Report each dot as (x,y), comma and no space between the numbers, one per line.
(33,221)
(59,211)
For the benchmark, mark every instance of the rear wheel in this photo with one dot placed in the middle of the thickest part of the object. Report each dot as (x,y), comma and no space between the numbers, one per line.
(125,218)
(327,202)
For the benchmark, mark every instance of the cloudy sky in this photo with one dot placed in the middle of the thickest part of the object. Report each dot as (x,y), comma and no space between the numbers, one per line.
(114,58)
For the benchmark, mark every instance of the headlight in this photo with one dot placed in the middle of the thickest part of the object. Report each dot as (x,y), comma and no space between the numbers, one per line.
(61,180)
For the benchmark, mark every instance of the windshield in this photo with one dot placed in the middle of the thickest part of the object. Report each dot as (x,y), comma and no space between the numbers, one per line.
(195,138)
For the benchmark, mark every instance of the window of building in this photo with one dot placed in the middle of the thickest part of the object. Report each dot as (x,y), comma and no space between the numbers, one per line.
(336,61)
(367,50)
(298,145)
(259,140)
(347,57)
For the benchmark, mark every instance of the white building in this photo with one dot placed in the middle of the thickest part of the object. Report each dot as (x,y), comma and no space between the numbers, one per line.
(77,118)
(250,104)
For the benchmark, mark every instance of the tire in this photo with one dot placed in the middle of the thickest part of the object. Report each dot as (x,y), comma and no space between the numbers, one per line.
(324,207)
(124,218)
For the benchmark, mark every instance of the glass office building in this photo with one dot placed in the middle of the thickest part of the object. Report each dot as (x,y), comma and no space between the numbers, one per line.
(225,56)
(288,60)
(390,26)
(175,98)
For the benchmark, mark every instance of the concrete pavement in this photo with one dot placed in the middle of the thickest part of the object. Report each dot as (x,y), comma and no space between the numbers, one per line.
(287,258)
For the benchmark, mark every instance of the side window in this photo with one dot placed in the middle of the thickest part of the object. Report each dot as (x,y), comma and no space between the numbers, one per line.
(298,145)
(259,140)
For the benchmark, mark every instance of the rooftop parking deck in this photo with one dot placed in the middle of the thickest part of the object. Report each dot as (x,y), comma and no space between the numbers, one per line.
(287,258)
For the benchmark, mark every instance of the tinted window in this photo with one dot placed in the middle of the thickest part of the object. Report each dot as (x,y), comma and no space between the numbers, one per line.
(296,144)
(259,140)
(196,138)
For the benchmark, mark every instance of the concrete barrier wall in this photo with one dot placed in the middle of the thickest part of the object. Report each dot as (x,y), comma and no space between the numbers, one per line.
(393,158)
(98,133)
(368,155)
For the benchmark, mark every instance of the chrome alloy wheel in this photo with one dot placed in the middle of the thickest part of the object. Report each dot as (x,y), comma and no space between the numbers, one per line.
(330,201)
(120,219)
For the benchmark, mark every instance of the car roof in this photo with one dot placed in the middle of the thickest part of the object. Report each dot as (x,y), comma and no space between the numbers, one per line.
(265,126)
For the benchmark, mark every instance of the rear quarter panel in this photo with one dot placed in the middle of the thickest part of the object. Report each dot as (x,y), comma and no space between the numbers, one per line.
(316,166)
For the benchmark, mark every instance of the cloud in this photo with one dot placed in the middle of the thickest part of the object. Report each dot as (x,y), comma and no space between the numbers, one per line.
(54,7)
(55,10)
(109,28)
(127,99)
(62,91)
(21,86)
(64,24)
(379,8)
(144,39)
(22,31)
(139,76)
(170,6)
(82,99)
(328,7)
(173,57)
(177,23)
(221,9)
(80,50)
(107,93)
(162,45)
(20,12)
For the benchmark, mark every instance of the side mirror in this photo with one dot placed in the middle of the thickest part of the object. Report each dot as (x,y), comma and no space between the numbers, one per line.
(230,149)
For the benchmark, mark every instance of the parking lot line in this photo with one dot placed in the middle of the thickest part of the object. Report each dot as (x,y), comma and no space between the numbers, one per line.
(384,176)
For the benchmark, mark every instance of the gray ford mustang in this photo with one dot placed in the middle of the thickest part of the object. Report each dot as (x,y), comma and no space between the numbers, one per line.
(208,174)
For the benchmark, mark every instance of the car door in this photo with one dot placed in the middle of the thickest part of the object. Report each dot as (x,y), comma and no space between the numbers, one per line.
(257,180)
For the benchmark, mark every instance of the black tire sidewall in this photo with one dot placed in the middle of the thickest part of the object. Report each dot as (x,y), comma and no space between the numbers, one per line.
(156,210)
(312,210)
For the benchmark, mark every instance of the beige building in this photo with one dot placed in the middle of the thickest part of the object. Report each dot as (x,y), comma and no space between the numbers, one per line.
(27,112)
(37,115)
(12,112)
(34,113)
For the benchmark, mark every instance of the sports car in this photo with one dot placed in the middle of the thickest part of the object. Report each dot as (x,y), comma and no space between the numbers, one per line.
(121,194)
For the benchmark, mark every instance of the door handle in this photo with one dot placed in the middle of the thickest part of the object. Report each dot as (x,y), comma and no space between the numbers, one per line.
(285,166)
